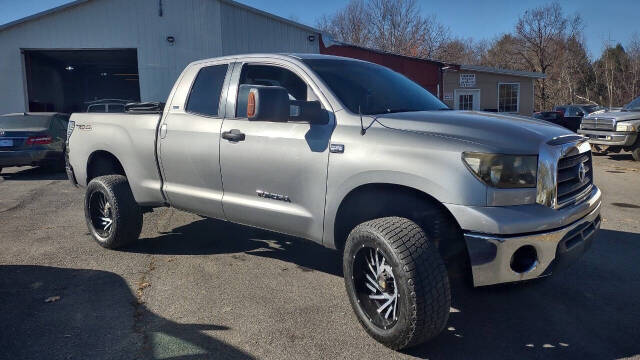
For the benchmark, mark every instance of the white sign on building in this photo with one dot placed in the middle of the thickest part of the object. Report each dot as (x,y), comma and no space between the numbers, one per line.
(467,80)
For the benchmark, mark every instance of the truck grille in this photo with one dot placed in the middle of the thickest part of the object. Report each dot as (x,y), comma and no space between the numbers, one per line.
(606,124)
(574,184)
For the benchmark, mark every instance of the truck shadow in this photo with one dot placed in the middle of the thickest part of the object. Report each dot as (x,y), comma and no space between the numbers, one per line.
(618,157)
(58,313)
(589,311)
(210,236)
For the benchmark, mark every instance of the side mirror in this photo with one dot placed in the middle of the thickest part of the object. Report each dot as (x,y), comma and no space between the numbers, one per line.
(580,113)
(309,111)
(263,103)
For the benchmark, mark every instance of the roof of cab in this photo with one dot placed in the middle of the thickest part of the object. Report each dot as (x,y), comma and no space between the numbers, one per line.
(283,56)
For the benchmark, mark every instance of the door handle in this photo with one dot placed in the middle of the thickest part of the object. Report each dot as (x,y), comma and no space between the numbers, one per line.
(163,131)
(233,135)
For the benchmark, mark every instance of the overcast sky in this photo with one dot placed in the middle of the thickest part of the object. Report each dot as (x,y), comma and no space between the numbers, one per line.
(614,20)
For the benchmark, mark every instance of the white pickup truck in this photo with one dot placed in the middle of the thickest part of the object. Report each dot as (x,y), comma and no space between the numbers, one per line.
(356,157)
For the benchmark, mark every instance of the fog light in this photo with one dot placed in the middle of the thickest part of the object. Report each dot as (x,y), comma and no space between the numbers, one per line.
(524,259)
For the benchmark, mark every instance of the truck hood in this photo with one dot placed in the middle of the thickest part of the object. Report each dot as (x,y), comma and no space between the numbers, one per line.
(616,115)
(480,130)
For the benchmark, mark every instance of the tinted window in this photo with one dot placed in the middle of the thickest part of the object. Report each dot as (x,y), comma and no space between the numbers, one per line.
(372,88)
(270,76)
(96,108)
(560,108)
(25,122)
(633,106)
(115,108)
(591,108)
(205,93)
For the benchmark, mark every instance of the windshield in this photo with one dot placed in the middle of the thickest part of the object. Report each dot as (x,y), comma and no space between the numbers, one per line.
(373,89)
(592,108)
(24,122)
(633,105)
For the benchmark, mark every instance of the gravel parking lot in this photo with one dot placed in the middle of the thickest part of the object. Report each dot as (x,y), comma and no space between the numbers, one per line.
(196,288)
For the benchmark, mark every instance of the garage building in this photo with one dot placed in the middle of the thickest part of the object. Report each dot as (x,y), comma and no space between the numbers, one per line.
(472,87)
(67,57)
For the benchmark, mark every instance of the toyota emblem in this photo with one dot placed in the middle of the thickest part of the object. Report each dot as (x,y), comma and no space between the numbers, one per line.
(582,172)
(2,133)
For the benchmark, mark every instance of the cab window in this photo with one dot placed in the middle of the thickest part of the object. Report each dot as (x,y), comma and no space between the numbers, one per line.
(272,76)
(204,98)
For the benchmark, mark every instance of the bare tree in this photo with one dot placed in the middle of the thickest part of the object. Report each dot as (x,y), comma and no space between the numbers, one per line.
(541,33)
(462,51)
(503,53)
(633,50)
(351,24)
(615,76)
(395,26)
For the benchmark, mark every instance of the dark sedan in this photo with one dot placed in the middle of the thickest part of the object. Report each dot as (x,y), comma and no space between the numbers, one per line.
(572,114)
(33,139)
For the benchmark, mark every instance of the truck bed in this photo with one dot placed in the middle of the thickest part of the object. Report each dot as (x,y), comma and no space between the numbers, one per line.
(121,135)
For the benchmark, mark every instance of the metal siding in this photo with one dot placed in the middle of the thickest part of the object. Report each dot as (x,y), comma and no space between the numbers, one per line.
(104,24)
(245,31)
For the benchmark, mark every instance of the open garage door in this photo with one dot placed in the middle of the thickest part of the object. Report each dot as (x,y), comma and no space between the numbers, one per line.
(69,80)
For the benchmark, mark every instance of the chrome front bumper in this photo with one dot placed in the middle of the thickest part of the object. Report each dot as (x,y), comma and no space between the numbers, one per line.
(492,256)
(610,138)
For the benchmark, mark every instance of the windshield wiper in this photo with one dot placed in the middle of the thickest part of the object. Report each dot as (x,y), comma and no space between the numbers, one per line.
(391,111)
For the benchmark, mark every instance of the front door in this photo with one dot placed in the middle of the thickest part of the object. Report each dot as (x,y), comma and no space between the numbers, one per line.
(276,177)
(467,99)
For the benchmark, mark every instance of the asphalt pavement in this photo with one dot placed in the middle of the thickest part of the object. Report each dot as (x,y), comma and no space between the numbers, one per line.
(194,288)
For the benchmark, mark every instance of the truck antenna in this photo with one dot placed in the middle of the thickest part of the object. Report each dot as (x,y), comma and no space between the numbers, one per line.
(362,129)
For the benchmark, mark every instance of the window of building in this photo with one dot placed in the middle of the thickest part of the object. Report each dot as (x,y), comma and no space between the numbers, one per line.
(205,93)
(508,97)
(465,102)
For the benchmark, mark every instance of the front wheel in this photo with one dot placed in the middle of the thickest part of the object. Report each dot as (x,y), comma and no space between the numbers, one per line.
(113,217)
(396,281)
(635,151)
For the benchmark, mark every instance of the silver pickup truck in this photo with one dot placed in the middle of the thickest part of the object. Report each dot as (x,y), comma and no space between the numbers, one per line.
(614,131)
(356,157)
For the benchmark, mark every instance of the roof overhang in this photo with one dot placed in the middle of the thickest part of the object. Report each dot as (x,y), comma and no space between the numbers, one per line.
(230,2)
(486,69)
(42,14)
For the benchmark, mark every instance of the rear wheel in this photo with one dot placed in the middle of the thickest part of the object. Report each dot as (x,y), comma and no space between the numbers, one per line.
(113,217)
(396,281)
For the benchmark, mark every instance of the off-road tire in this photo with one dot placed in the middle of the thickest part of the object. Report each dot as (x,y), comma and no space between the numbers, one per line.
(635,151)
(127,216)
(424,296)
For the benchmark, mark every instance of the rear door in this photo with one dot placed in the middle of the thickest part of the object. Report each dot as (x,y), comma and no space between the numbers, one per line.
(276,177)
(190,138)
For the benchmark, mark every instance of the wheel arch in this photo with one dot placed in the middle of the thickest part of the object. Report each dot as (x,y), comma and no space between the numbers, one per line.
(103,162)
(378,199)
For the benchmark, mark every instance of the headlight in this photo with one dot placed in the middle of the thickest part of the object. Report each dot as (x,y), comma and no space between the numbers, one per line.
(503,171)
(625,127)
